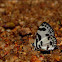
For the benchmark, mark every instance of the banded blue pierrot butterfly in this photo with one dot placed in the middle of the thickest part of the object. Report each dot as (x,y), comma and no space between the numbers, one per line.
(45,38)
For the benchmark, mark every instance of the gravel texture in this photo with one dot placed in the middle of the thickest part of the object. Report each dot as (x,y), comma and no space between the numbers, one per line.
(19,21)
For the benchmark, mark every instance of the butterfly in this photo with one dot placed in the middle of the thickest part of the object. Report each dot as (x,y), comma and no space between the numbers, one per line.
(45,38)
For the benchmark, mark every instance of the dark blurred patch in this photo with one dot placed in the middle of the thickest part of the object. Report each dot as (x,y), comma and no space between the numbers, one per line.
(45,52)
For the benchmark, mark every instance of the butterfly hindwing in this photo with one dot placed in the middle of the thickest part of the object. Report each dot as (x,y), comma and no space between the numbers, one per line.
(47,43)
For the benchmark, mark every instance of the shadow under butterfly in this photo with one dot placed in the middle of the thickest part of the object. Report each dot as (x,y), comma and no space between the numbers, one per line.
(45,39)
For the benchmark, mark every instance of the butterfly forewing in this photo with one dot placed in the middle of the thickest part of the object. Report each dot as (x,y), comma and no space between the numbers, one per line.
(45,30)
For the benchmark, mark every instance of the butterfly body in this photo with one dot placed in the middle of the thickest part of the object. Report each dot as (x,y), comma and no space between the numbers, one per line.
(45,38)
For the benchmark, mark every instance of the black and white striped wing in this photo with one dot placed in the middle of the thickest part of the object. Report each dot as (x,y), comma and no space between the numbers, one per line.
(47,43)
(44,30)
